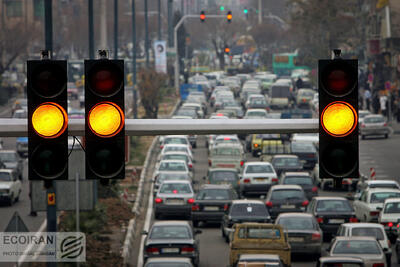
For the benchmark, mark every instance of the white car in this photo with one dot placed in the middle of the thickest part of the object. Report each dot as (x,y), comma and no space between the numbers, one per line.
(175,148)
(389,217)
(172,166)
(306,137)
(225,139)
(371,200)
(364,185)
(196,106)
(10,186)
(175,140)
(257,178)
(256,114)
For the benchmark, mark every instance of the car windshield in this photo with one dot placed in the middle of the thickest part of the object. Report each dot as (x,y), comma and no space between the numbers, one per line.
(213,194)
(298,180)
(5,177)
(172,166)
(297,223)
(333,205)
(286,162)
(368,231)
(176,140)
(173,176)
(356,247)
(172,188)
(303,147)
(8,157)
(381,196)
(227,151)
(393,207)
(244,209)
(170,232)
(252,232)
(374,120)
(282,194)
(258,169)
(222,176)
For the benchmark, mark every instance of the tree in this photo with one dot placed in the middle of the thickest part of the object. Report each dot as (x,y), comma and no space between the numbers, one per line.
(152,86)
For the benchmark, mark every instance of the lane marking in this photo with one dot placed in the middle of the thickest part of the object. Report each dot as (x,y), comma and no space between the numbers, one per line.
(29,247)
(146,225)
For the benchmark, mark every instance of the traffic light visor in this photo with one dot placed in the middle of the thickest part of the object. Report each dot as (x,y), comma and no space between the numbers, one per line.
(339,119)
(49,80)
(49,120)
(339,79)
(106,119)
(105,79)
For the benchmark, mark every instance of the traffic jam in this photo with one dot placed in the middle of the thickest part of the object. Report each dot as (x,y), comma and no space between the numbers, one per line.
(258,200)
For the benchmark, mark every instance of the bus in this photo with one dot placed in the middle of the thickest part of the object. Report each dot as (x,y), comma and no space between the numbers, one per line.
(284,63)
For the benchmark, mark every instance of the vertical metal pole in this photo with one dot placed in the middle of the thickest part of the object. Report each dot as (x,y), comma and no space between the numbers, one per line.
(134,59)
(260,11)
(146,26)
(134,103)
(170,25)
(91,31)
(115,29)
(48,26)
(159,20)
(182,7)
(77,204)
(52,216)
(176,59)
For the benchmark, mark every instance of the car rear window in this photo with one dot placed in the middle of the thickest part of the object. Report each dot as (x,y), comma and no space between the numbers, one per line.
(381,196)
(298,180)
(175,148)
(256,114)
(172,188)
(248,210)
(374,120)
(270,233)
(223,176)
(282,194)
(356,247)
(303,147)
(290,162)
(213,194)
(258,169)
(393,207)
(227,151)
(333,205)
(175,176)
(297,223)
(368,231)
(178,157)
(170,232)
(175,140)
(172,166)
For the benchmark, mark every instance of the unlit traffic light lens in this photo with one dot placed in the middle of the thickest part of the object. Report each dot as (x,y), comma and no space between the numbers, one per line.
(47,160)
(49,120)
(105,80)
(339,119)
(338,79)
(106,119)
(49,81)
(338,160)
(106,160)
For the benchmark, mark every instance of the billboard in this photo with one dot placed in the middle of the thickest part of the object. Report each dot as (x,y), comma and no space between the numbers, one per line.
(160,56)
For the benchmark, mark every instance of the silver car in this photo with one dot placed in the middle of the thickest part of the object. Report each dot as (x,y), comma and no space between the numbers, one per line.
(374,125)
(174,198)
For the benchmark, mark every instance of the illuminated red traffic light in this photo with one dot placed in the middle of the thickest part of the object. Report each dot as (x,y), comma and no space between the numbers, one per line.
(202,16)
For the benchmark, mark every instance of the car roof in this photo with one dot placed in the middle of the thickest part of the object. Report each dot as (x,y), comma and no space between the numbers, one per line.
(169,260)
(257,110)
(179,145)
(172,222)
(8,151)
(175,136)
(381,182)
(305,174)
(363,225)
(286,186)
(176,182)
(340,259)
(247,201)
(252,163)
(6,170)
(377,190)
(260,256)
(173,160)
(223,169)
(390,200)
(366,238)
(183,153)
(330,198)
(216,186)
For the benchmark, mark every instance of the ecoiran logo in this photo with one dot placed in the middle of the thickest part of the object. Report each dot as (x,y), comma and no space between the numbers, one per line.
(71,246)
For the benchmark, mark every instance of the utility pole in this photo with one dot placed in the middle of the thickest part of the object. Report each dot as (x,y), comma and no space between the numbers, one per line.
(159,19)
(170,25)
(260,11)
(103,25)
(146,29)
(48,26)
(115,29)
(91,34)
(134,59)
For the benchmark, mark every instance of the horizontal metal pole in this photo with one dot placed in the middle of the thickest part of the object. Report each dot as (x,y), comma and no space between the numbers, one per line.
(76,127)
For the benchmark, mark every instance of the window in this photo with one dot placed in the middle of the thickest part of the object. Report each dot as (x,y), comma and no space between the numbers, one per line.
(258,169)
(175,189)
(38,9)
(298,180)
(333,206)
(356,247)
(368,231)
(213,194)
(14,8)
(392,207)
(5,177)
(381,196)
(269,233)
(170,232)
(248,210)
(297,223)
(172,166)
(286,194)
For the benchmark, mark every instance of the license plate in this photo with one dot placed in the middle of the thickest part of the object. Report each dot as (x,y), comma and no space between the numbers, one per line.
(336,221)
(288,206)
(260,179)
(175,201)
(226,165)
(296,239)
(211,208)
(170,250)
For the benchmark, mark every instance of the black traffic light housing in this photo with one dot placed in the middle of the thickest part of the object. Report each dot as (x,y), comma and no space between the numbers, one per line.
(47,120)
(104,120)
(338,116)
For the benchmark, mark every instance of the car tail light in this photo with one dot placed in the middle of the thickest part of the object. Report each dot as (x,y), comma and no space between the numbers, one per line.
(316,236)
(390,224)
(190,165)
(305,203)
(226,207)
(345,182)
(353,220)
(209,162)
(378,265)
(255,145)
(196,207)
(158,200)
(161,147)
(241,163)
(374,213)
(320,219)
(190,201)
(385,124)
(398,225)
(274,180)
(246,181)
(269,204)
(314,189)
(185,250)
(153,250)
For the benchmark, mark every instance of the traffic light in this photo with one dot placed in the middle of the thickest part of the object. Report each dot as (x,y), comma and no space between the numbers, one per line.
(246,12)
(227,50)
(202,16)
(338,114)
(47,120)
(222,8)
(229,16)
(104,120)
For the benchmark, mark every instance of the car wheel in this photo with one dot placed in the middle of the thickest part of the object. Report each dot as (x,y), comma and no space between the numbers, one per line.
(386,136)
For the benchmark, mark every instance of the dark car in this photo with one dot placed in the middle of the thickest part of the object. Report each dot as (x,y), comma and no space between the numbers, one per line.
(286,163)
(285,198)
(306,152)
(331,212)
(211,202)
(223,176)
(304,233)
(13,161)
(172,239)
(303,179)
(243,211)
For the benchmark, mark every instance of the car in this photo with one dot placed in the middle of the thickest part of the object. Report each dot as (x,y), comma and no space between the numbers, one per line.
(365,184)
(10,186)
(172,165)
(255,142)
(365,247)
(223,176)
(243,210)
(368,229)
(374,125)
(306,137)
(192,113)
(331,212)
(366,206)
(256,101)
(286,163)
(280,95)
(226,139)
(175,198)
(389,217)
(306,152)
(176,148)
(260,238)
(195,106)
(168,262)
(304,97)
(12,160)
(175,140)
(270,148)
(340,261)
(166,176)
(257,178)
(285,198)
(171,239)
(254,260)
(303,179)
(255,113)
(20,103)
(304,233)
(211,202)
(227,156)
(362,114)
(178,156)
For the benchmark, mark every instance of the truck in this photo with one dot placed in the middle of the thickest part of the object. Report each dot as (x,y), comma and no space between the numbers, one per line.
(22,146)
(185,90)
(259,238)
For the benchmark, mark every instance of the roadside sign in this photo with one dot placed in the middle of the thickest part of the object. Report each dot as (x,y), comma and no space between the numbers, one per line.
(16,224)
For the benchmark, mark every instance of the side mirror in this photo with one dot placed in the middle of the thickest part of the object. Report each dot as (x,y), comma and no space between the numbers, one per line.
(197,232)
(379,208)
(144,233)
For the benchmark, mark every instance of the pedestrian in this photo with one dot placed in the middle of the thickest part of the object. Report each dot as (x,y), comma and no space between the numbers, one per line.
(382,103)
(367,97)
(299,83)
